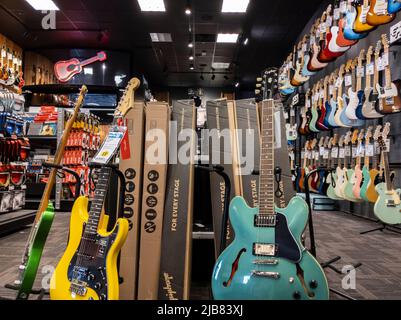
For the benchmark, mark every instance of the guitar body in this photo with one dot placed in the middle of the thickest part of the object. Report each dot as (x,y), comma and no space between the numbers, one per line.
(314,181)
(314,63)
(325,55)
(321,117)
(349,32)
(298,78)
(298,179)
(305,71)
(357,180)
(330,118)
(375,19)
(303,174)
(341,40)
(343,116)
(102,266)
(233,277)
(313,121)
(331,181)
(291,132)
(361,102)
(393,6)
(384,106)
(333,46)
(65,70)
(371,193)
(349,186)
(287,89)
(322,186)
(389,214)
(340,183)
(352,105)
(369,107)
(365,184)
(328,108)
(361,25)
(340,109)
(42,229)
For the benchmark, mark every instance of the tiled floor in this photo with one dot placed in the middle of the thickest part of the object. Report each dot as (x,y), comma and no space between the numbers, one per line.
(337,234)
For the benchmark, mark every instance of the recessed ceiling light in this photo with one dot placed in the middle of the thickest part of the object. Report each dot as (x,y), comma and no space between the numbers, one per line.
(191,57)
(47,5)
(104,66)
(161,37)
(235,6)
(246,41)
(220,65)
(227,37)
(192,67)
(152,5)
(188,11)
(237,84)
(190,45)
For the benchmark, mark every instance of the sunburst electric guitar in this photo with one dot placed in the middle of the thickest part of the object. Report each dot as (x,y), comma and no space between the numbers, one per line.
(44,216)
(267,260)
(88,268)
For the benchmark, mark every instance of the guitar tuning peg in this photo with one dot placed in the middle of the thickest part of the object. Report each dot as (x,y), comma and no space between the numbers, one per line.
(258,85)
(259,79)
(257,92)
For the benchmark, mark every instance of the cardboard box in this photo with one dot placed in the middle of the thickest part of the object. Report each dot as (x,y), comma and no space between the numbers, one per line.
(154,189)
(132,169)
(175,267)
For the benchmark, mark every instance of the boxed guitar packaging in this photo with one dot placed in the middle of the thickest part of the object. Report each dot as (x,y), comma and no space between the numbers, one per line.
(132,169)
(154,188)
(175,267)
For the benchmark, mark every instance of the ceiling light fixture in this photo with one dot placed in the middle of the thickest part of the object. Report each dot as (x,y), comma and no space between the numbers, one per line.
(246,41)
(191,57)
(104,66)
(237,84)
(235,6)
(152,5)
(227,37)
(192,67)
(161,37)
(188,10)
(190,44)
(47,5)
(220,65)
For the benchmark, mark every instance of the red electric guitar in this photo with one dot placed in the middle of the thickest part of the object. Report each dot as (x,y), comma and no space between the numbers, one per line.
(65,70)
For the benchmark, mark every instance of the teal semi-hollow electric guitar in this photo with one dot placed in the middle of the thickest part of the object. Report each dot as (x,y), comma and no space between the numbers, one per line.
(44,217)
(388,205)
(266,260)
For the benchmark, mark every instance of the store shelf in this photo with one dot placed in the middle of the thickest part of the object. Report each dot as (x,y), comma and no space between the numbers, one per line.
(65,88)
(15,220)
(42,138)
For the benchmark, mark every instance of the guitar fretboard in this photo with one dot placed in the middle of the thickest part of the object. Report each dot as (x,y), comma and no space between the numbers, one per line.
(266,183)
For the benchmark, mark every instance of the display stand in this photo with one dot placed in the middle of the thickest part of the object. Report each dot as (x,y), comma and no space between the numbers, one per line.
(382,228)
(327,264)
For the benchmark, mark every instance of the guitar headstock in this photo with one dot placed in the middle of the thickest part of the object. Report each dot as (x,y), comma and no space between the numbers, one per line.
(348,66)
(355,136)
(341,141)
(126,103)
(378,49)
(369,54)
(361,58)
(307,145)
(334,142)
(368,135)
(383,137)
(321,142)
(347,139)
(361,136)
(270,77)
(377,133)
(313,144)
(385,43)
(327,141)
(354,63)
(330,143)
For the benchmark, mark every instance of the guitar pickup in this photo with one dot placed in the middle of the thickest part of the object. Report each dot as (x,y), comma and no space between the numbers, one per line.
(264,250)
(391,204)
(265,274)
(267,262)
(265,220)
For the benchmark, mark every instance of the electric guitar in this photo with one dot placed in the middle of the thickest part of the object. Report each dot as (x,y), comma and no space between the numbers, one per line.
(356,96)
(314,63)
(285,86)
(314,108)
(44,216)
(388,101)
(334,31)
(313,157)
(332,178)
(378,13)
(394,6)
(342,41)
(341,171)
(388,206)
(291,128)
(325,54)
(267,250)
(368,188)
(368,110)
(350,18)
(303,171)
(303,128)
(331,102)
(66,70)
(88,268)
(358,175)
(361,25)
(322,106)
(298,78)
(308,52)
(324,164)
(339,101)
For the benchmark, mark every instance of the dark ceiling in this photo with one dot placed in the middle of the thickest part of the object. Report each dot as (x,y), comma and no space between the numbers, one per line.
(272,26)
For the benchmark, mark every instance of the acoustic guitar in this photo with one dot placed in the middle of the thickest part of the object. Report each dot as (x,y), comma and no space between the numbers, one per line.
(361,25)
(88,267)
(44,216)
(267,250)
(378,13)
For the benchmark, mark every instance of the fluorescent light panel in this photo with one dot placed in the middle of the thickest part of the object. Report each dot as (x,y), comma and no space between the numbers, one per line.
(152,5)
(47,5)
(220,65)
(227,37)
(235,6)
(161,37)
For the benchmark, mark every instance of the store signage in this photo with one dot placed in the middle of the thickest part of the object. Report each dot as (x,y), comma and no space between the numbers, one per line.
(66,70)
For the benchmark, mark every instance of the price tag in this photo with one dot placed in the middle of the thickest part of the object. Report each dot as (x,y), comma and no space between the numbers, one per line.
(321,151)
(290,65)
(331,89)
(326,154)
(385,60)
(354,151)
(329,22)
(334,152)
(348,80)
(9,56)
(308,154)
(303,154)
(388,144)
(395,32)
(322,27)
(317,156)
(313,155)
(307,104)
(369,152)
(341,153)
(339,82)
(361,150)
(292,156)
(336,13)
(304,47)
(377,148)
(312,41)
(360,71)
(110,146)
(286,116)
(347,152)
(380,66)
(370,69)
(343,6)
(292,112)
(321,94)
(3,53)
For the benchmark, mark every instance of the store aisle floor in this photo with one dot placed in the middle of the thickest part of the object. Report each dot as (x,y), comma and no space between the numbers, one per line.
(337,234)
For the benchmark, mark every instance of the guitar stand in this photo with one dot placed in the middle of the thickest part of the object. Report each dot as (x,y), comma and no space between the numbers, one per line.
(327,264)
(41,293)
(382,229)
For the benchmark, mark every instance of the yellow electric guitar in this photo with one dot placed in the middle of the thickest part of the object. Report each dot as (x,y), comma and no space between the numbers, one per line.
(88,268)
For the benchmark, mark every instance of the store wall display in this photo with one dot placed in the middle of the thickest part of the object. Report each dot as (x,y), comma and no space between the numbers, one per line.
(176,260)
(154,175)
(44,217)
(265,251)
(88,269)
(38,69)
(11,74)
(132,169)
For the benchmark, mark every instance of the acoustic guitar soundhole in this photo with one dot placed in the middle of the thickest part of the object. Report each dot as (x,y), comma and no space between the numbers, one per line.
(234,269)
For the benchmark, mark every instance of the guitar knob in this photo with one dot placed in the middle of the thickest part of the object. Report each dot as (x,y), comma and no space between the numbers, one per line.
(98,285)
(313,284)
(91,277)
(103,297)
(297,295)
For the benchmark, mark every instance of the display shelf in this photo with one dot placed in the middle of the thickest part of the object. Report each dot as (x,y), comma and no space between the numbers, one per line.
(42,137)
(16,219)
(70,88)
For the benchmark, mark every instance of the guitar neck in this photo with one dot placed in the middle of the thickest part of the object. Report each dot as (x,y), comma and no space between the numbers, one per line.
(388,77)
(386,168)
(89,61)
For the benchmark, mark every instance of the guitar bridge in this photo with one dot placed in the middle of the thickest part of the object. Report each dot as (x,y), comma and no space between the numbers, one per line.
(264,274)
(267,262)
(78,288)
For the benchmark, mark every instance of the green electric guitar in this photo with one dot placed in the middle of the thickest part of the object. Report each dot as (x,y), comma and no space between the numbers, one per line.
(388,205)
(44,216)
